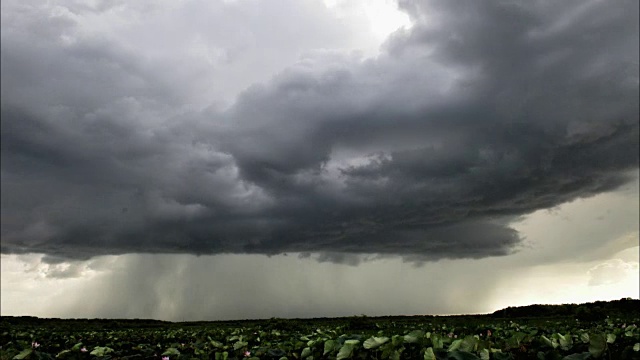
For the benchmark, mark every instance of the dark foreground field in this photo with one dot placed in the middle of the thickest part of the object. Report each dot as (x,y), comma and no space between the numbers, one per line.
(606,330)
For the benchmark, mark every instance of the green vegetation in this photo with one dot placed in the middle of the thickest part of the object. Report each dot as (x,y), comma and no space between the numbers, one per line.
(602,330)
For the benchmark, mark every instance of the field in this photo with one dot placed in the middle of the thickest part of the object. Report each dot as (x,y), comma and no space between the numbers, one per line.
(606,330)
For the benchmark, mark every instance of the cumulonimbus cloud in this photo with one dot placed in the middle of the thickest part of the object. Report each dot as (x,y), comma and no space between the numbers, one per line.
(480,113)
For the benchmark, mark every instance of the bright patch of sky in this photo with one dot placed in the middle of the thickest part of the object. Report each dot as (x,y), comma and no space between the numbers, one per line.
(382,16)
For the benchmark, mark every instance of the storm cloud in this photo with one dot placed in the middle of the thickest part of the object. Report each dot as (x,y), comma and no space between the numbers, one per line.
(478,114)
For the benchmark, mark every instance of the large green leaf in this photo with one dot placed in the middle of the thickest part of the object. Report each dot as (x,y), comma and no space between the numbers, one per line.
(239,344)
(310,343)
(566,341)
(629,330)
(455,345)
(436,341)
(414,336)
(62,354)
(345,351)
(306,352)
(429,355)
(579,356)
(101,351)
(397,340)
(374,342)
(222,356)
(597,344)
(584,337)
(484,354)
(468,343)
(171,352)
(549,342)
(611,338)
(329,345)
(515,339)
(23,354)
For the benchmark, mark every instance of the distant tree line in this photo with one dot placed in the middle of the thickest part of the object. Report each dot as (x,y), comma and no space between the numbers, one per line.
(32,321)
(594,311)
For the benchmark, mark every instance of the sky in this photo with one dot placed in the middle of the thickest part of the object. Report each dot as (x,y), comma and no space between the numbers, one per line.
(242,159)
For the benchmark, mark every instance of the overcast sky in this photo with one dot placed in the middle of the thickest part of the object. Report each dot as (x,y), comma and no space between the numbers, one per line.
(242,159)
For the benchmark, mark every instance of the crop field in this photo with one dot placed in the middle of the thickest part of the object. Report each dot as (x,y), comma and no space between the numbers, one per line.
(592,335)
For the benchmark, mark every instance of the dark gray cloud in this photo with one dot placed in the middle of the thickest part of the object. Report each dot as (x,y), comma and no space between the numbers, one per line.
(479,114)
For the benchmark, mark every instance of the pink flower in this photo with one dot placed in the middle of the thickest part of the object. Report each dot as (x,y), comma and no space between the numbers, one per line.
(165,358)
(35,345)
(84,349)
(488,332)
(247,353)
(450,334)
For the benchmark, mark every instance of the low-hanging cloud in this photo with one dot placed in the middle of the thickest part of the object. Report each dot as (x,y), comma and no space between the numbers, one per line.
(478,114)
